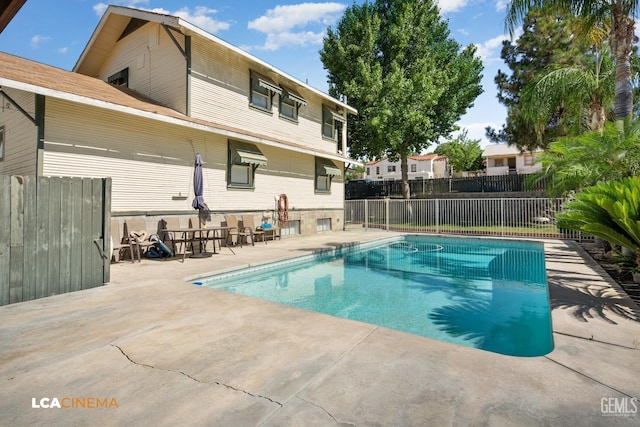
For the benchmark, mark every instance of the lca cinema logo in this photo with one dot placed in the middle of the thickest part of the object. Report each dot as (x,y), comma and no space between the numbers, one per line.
(74,403)
(619,406)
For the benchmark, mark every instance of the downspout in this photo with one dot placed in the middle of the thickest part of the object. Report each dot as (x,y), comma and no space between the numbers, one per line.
(187,48)
(40,109)
(344,130)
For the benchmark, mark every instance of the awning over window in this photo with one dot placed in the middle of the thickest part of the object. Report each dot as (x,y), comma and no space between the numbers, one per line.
(337,117)
(248,153)
(296,98)
(268,85)
(327,167)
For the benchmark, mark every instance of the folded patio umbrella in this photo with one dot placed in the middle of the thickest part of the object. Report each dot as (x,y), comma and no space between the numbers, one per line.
(198,190)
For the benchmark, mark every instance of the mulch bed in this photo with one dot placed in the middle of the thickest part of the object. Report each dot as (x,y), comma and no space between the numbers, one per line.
(614,265)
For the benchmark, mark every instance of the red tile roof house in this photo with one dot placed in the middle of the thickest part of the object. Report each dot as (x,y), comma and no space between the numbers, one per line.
(149,92)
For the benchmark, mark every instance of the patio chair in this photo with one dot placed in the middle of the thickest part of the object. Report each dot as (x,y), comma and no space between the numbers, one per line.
(250,228)
(137,236)
(234,230)
(118,242)
(178,240)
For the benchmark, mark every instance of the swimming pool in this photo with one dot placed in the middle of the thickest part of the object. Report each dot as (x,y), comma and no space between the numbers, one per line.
(483,293)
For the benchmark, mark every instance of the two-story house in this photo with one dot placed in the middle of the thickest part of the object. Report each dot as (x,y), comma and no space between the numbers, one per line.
(426,166)
(150,91)
(503,159)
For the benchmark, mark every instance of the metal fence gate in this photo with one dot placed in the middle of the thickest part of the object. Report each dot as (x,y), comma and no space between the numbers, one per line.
(52,235)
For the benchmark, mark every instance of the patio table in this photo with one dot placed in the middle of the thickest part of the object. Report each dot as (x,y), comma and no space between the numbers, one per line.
(190,236)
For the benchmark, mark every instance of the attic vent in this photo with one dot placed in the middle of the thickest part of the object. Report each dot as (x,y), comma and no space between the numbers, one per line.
(133,25)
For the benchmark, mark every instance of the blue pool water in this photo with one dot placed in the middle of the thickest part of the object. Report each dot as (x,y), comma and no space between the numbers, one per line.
(483,293)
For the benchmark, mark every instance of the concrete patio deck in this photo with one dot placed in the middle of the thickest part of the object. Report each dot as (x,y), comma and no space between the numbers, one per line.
(171,353)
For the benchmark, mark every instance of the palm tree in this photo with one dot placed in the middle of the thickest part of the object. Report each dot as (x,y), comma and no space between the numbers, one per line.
(582,94)
(573,163)
(618,14)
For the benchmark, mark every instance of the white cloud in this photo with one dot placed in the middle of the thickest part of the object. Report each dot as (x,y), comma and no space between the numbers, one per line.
(63,50)
(501,5)
(296,25)
(37,39)
(489,51)
(451,5)
(99,8)
(462,31)
(200,16)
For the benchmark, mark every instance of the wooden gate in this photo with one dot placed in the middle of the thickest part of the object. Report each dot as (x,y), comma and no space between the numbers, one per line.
(52,235)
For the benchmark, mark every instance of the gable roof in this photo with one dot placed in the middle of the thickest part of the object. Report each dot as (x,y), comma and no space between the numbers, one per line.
(116,19)
(23,74)
(425,157)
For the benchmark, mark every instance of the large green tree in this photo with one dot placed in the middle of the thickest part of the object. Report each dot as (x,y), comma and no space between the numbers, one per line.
(464,154)
(547,42)
(617,15)
(395,62)
(583,92)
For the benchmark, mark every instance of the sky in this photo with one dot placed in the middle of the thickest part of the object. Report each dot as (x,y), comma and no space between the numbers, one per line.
(286,34)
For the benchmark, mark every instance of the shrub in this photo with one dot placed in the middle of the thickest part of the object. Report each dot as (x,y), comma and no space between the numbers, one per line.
(609,210)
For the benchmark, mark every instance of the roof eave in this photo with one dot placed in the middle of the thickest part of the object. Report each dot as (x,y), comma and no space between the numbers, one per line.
(54,93)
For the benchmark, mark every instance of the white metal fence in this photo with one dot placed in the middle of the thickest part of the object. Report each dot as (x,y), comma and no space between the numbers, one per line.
(517,217)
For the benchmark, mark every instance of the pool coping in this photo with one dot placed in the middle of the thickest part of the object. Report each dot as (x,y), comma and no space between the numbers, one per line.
(209,281)
(167,351)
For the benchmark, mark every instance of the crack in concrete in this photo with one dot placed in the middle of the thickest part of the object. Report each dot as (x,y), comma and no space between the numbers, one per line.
(230,387)
(587,376)
(326,412)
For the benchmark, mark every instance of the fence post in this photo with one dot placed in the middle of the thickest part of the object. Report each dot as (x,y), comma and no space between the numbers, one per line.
(502,215)
(437,216)
(366,214)
(386,208)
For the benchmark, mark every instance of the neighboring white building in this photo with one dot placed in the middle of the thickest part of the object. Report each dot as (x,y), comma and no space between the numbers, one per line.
(502,159)
(149,92)
(427,166)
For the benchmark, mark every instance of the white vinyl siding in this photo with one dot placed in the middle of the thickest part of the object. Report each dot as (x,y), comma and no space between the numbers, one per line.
(220,93)
(157,69)
(150,162)
(20,134)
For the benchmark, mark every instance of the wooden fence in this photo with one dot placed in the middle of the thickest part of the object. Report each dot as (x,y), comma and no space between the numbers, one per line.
(52,235)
